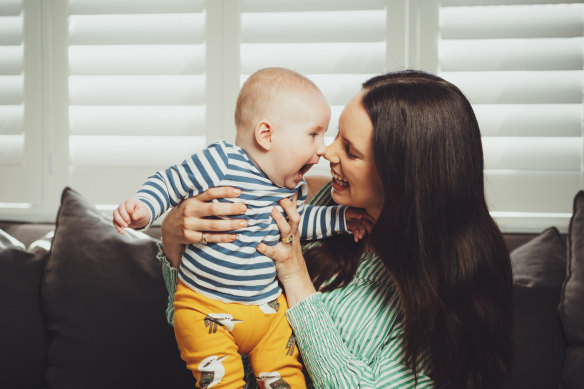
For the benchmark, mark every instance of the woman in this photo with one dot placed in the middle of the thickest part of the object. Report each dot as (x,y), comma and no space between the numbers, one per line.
(425,300)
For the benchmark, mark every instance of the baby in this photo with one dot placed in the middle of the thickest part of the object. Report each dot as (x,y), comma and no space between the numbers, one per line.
(228,300)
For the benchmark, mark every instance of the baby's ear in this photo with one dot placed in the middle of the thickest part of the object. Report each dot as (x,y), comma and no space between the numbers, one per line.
(263,135)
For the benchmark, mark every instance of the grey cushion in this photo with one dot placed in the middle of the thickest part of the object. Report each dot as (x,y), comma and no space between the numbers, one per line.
(105,299)
(23,339)
(571,308)
(538,273)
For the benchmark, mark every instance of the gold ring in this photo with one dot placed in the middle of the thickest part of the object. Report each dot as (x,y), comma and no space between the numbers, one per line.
(288,239)
(203,238)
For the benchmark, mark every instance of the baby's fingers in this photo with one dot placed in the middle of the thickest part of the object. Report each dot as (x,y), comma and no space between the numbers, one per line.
(119,222)
(139,212)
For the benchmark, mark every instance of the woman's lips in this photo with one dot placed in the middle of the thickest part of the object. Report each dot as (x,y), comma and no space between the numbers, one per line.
(338,181)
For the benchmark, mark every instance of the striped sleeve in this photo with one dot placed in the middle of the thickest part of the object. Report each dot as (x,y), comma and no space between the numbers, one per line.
(318,218)
(332,363)
(319,222)
(199,172)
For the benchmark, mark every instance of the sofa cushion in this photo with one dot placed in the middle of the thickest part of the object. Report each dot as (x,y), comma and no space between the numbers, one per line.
(23,339)
(105,299)
(571,308)
(538,273)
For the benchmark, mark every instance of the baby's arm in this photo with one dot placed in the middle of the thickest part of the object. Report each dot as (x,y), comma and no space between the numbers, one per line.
(131,213)
(319,222)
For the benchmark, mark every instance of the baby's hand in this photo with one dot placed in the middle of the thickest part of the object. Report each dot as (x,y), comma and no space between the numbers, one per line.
(131,213)
(359,222)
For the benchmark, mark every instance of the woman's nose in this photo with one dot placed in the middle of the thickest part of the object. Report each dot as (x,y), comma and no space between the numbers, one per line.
(331,152)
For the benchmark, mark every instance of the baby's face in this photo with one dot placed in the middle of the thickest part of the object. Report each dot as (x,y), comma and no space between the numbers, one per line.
(298,139)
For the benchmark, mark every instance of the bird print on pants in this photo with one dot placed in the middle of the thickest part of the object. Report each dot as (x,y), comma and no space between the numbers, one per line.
(271,307)
(212,320)
(290,345)
(273,380)
(212,371)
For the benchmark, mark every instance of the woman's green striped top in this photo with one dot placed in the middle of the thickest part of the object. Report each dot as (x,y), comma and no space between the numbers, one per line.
(351,337)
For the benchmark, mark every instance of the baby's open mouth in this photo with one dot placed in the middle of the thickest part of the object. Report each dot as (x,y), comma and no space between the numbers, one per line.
(304,169)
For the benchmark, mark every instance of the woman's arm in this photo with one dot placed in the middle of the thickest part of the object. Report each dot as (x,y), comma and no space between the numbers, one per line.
(186,223)
(288,259)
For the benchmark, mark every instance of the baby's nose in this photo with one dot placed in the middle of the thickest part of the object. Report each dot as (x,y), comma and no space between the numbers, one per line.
(321,149)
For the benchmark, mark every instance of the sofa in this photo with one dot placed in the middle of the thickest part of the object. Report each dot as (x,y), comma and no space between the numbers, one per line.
(83,306)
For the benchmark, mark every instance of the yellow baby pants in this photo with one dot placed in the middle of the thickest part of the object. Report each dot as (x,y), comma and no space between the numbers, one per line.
(212,334)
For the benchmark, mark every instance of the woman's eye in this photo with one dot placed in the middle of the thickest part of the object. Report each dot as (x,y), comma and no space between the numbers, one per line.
(348,151)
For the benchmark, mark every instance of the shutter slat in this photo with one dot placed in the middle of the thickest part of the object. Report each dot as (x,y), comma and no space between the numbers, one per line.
(309,5)
(11,119)
(457,3)
(316,57)
(137,90)
(136,29)
(519,87)
(11,90)
(137,120)
(137,59)
(11,60)
(512,54)
(534,120)
(88,7)
(287,27)
(537,192)
(12,147)
(117,151)
(10,30)
(534,154)
(10,8)
(546,21)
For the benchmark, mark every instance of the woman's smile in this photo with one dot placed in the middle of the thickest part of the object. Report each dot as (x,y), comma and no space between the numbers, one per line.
(339,183)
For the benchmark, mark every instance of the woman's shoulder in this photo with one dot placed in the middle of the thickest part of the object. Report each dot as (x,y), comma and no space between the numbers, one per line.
(372,269)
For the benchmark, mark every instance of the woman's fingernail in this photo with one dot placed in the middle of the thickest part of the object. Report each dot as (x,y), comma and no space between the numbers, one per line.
(243,224)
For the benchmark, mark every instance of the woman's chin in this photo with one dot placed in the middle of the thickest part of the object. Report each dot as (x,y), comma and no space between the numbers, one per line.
(339,194)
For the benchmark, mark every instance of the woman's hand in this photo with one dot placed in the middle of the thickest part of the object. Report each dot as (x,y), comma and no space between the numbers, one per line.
(287,255)
(187,223)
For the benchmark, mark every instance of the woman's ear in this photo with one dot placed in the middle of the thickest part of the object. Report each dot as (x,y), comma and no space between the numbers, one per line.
(263,135)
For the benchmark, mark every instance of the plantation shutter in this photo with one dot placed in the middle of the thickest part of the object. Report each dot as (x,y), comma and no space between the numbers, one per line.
(338,44)
(137,91)
(521,65)
(20,115)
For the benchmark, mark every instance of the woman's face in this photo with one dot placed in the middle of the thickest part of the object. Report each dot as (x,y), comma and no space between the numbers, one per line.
(355,178)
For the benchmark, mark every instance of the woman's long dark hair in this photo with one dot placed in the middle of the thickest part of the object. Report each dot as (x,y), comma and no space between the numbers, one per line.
(434,235)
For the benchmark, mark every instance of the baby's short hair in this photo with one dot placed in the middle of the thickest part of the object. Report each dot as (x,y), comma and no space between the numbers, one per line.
(261,90)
